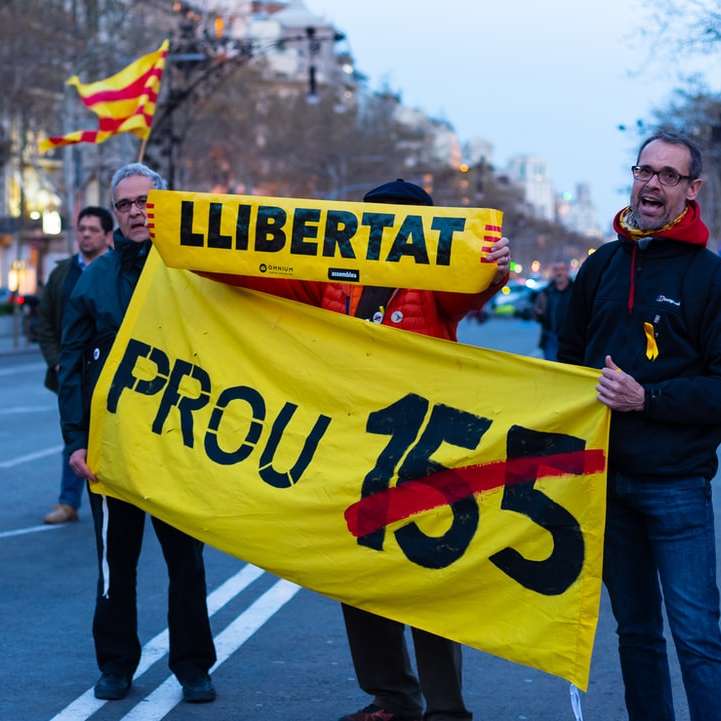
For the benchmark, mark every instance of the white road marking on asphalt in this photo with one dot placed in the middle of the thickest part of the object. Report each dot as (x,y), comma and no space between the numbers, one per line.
(30,529)
(26,409)
(86,705)
(22,369)
(168,695)
(30,457)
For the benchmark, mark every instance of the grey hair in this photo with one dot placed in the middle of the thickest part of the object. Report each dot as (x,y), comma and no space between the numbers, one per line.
(132,169)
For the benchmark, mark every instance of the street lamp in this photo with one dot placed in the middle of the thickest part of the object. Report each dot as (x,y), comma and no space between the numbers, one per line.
(313,50)
(314,45)
(199,61)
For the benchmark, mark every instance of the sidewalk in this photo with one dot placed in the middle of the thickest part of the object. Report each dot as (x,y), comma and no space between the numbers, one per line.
(9,347)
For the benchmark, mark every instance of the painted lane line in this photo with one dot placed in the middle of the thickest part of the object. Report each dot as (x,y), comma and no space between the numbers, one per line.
(168,695)
(22,369)
(30,529)
(86,705)
(232,587)
(31,457)
(12,410)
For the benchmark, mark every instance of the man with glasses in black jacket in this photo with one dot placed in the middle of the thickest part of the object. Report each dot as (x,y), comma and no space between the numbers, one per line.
(645,309)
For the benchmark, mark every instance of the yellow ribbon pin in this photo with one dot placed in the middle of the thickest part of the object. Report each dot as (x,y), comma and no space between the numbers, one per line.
(651,345)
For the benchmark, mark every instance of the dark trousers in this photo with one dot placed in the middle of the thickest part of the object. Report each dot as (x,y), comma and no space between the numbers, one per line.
(119,535)
(383,668)
(660,549)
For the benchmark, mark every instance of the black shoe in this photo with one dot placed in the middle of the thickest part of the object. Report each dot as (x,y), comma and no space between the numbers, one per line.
(112,686)
(199,690)
(376,713)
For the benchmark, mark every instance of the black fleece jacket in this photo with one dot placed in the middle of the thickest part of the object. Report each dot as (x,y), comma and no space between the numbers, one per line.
(91,321)
(677,291)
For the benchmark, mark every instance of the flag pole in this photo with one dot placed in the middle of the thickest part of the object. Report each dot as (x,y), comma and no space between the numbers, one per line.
(143,145)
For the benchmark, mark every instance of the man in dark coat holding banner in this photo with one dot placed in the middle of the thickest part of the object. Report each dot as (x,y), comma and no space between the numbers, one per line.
(93,317)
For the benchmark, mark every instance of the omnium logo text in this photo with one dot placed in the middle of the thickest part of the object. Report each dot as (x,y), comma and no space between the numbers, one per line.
(277,269)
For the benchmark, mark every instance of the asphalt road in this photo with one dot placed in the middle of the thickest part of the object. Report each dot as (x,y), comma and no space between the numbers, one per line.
(282,650)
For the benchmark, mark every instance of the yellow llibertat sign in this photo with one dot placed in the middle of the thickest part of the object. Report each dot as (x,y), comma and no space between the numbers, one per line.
(457,489)
(396,246)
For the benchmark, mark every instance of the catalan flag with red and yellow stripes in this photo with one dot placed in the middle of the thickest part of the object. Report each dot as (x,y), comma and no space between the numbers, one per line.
(124,102)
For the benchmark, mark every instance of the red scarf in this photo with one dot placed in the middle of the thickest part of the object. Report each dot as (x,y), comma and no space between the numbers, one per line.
(687,227)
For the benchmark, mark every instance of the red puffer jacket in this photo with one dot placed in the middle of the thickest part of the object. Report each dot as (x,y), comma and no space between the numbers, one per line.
(422,311)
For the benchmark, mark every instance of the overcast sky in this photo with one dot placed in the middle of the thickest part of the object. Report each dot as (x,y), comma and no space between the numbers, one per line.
(552,78)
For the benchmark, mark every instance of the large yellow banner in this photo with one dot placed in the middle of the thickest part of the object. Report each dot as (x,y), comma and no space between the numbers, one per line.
(453,488)
(396,246)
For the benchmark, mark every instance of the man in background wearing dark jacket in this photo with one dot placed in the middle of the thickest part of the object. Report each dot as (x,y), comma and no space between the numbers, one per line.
(94,233)
(551,307)
(647,310)
(92,320)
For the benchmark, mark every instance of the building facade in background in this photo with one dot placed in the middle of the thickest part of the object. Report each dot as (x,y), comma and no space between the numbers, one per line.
(578,213)
(301,49)
(530,172)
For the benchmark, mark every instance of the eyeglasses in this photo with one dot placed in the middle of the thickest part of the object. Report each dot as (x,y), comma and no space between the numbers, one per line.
(124,205)
(666,176)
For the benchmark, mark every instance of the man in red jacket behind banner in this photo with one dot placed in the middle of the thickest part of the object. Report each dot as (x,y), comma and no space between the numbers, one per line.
(377,644)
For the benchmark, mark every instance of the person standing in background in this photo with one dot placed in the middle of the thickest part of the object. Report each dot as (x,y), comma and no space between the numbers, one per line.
(551,307)
(95,236)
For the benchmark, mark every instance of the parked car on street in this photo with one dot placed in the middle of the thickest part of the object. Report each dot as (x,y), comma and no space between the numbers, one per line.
(24,305)
(515,299)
